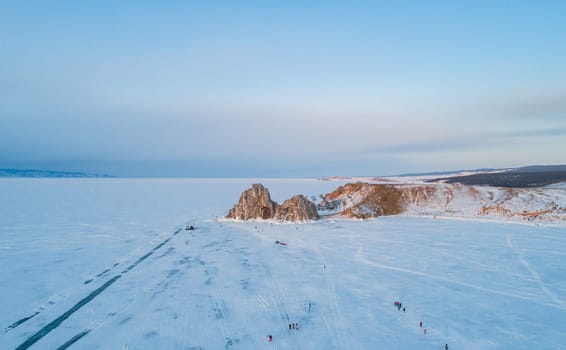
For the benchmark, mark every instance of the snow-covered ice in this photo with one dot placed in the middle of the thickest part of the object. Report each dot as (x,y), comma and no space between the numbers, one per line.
(107,264)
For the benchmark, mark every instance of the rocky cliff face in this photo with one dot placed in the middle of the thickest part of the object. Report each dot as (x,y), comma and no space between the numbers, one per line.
(363,200)
(256,203)
(297,208)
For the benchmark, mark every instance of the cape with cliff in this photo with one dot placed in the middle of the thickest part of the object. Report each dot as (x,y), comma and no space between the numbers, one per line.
(525,194)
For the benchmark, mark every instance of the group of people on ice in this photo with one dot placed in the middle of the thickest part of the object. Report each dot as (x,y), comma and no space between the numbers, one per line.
(400,306)
(291,326)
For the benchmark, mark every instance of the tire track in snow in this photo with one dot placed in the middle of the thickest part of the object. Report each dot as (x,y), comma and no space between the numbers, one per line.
(20,321)
(57,322)
(533,273)
(361,258)
(74,339)
(305,254)
(90,280)
(321,262)
(337,314)
(278,299)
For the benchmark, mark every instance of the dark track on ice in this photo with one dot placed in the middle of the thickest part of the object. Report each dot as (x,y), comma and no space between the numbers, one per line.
(74,339)
(57,322)
(20,321)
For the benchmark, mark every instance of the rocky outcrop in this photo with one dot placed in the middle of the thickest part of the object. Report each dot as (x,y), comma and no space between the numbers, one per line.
(362,200)
(297,208)
(256,203)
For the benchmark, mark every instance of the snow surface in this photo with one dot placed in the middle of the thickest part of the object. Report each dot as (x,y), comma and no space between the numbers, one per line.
(559,185)
(113,257)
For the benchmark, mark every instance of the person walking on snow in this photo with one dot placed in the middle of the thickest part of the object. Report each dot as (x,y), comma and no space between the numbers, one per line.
(445,346)
(270,338)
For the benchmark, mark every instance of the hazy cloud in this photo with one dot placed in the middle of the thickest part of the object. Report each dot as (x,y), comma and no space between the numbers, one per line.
(439,145)
(533,107)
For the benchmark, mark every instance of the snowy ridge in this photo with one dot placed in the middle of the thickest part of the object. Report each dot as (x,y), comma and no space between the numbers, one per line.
(474,201)
(453,200)
(409,178)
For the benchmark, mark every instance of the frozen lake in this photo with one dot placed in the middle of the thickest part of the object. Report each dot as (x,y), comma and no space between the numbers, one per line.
(106,264)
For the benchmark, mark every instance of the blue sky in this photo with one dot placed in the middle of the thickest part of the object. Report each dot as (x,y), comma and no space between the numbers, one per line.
(281,88)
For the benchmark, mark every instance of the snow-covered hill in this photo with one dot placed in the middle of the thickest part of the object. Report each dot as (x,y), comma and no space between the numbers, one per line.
(363,200)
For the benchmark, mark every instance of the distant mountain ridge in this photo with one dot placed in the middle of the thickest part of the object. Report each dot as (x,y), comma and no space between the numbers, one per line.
(47,173)
(528,176)
(450,172)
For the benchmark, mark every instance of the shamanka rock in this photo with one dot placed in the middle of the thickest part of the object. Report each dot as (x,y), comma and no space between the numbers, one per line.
(256,203)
